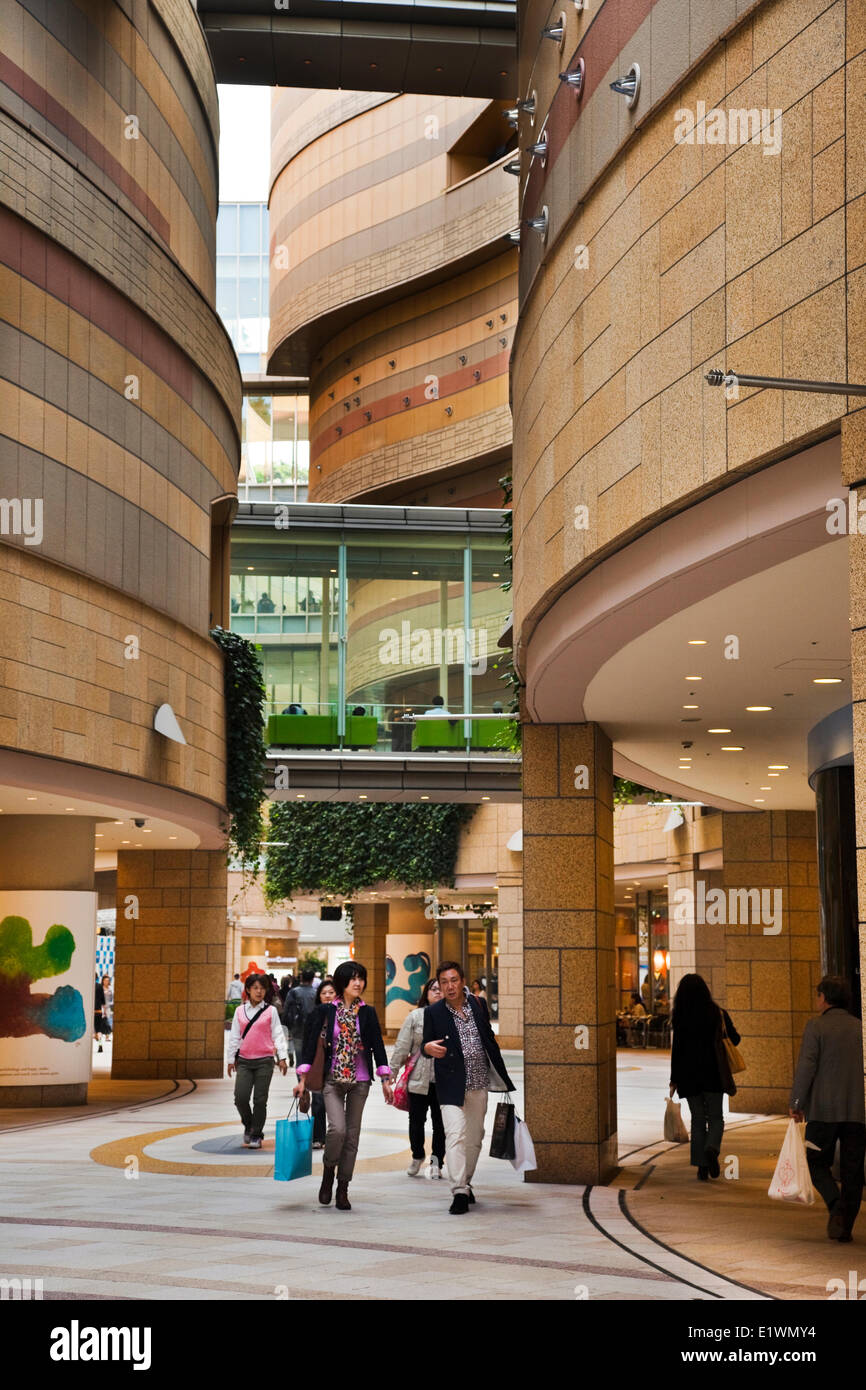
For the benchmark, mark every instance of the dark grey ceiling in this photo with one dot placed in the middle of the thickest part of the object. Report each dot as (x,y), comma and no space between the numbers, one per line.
(434,47)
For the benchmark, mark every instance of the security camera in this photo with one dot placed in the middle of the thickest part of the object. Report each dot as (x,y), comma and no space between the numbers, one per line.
(686,743)
(140,822)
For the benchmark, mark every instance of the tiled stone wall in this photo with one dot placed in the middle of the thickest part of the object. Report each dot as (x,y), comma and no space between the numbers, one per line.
(698,255)
(171,966)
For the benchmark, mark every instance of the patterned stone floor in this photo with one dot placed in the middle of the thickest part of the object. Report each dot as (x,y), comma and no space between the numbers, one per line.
(137,1197)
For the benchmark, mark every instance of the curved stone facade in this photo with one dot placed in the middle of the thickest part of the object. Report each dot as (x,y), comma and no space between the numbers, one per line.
(119,399)
(392,284)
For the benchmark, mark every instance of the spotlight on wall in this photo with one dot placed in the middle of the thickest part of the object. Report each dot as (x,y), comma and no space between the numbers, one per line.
(538,149)
(407,400)
(539,224)
(513,236)
(392,363)
(574,79)
(512,167)
(368,414)
(527,105)
(449,410)
(503,342)
(554,31)
(357,380)
(357,400)
(512,116)
(489,323)
(477,375)
(503,318)
(339,429)
(462,359)
(346,405)
(331,394)
(628,86)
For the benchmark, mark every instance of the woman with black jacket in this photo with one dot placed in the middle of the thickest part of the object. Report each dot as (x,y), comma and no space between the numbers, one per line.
(700,1072)
(352,1042)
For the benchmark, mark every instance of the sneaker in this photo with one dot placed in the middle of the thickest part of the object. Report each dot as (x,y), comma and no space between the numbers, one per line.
(435,1168)
(471,1197)
(248,1134)
(460,1204)
(713,1162)
(414,1167)
(255,1144)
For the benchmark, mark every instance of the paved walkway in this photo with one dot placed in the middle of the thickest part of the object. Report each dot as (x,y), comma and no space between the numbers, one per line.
(146,1194)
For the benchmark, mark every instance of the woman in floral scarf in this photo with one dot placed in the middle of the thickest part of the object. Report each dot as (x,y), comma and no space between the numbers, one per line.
(352,1040)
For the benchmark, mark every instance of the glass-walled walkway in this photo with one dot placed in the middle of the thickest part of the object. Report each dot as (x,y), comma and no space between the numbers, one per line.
(378,626)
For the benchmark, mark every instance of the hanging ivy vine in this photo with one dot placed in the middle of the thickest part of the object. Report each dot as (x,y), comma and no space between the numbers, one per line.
(245,744)
(342,847)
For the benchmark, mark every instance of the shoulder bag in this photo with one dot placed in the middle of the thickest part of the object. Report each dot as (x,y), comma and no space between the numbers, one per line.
(732,1052)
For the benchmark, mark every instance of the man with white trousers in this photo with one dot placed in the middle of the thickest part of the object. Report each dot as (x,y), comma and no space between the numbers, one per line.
(467,1064)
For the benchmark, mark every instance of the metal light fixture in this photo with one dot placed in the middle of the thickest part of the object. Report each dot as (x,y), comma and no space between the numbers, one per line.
(538,149)
(555,31)
(512,115)
(512,167)
(540,224)
(575,79)
(628,86)
(527,105)
(513,236)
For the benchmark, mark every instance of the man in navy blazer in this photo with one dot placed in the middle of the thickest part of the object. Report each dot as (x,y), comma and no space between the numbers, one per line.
(467,1064)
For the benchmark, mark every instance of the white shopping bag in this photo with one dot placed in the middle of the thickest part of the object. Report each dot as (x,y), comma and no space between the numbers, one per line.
(675,1130)
(791,1180)
(524,1149)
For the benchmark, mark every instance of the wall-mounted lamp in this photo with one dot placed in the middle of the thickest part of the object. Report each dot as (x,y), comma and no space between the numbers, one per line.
(503,342)
(331,394)
(407,400)
(462,359)
(339,429)
(368,414)
(357,380)
(477,375)
(392,363)
(513,236)
(449,410)
(574,79)
(489,323)
(503,318)
(347,405)
(357,400)
(540,224)
(555,31)
(512,116)
(538,150)
(512,167)
(628,86)
(527,105)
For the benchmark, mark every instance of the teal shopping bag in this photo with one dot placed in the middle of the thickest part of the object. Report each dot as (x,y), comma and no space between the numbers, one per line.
(294,1151)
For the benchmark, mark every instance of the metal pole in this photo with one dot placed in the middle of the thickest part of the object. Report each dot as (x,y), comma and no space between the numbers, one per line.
(467,644)
(716,377)
(342,607)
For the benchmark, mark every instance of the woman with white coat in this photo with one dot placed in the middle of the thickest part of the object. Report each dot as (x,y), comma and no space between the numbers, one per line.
(421,1087)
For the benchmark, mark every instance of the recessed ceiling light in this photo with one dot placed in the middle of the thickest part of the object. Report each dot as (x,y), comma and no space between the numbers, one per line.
(250,567)
(33,798)
(99,835)
(496,574)
(69,808)
(827,680)
(774,774)
(118,822)
(124,842)
(757,709)
(693,678)
(485,798)
(300,796)
(691,706)
(718,731)
(697,641)
(362,796)
(415,571)
(425,798)
(765,789)
(172,837)
(780,767)
(731,748)
(147,832)
(759,801)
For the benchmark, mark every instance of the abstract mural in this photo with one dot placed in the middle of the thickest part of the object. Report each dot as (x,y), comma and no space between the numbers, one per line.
(23,1013)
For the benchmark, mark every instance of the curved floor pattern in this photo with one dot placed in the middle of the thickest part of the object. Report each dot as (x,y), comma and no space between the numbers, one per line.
(102,1226)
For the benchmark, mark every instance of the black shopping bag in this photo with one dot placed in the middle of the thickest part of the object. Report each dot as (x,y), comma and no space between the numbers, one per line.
(502,1141)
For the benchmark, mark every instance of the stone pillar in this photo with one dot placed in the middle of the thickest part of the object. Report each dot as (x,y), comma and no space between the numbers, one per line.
(854,475)
(370,931)
(43,854)
(569,952)
(171,969)
(510,890)
(770,976)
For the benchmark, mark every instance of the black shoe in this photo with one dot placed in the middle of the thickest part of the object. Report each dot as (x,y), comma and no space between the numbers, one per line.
(460,1204)
(713,1162)
(836,1228)
(471,1198)
(327,1187)
(703,1174)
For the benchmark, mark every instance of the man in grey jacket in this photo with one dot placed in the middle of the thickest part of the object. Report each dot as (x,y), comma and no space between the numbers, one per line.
(828,1093)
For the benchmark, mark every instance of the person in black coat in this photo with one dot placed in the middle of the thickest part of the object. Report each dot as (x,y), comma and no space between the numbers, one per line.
(353,1042)
(700,1072)
(467,1064)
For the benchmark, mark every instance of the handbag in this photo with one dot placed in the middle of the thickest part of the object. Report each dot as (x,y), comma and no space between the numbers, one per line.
(315,1078)
(674,1130)
(401,1090)
(792,1181)
(732,1052)
(294,1148)
(502,1139)
(524,1149)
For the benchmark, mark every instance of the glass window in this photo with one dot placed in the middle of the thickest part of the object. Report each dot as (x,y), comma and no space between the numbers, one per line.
(227,228)
(250,219)
(490,610)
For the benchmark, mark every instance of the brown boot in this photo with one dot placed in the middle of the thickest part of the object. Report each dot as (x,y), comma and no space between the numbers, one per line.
(327,1187)
(342,1203)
